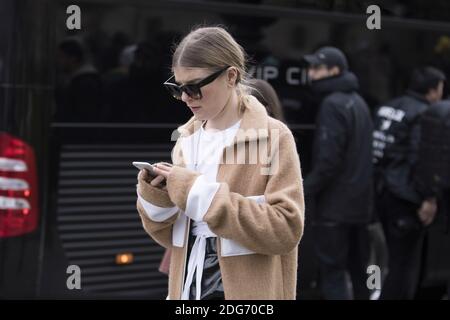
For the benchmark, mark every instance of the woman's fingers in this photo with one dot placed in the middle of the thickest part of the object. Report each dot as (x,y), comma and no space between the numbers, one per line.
(143,175)
(163,166)
(157,181)
(167,164)
(161,171)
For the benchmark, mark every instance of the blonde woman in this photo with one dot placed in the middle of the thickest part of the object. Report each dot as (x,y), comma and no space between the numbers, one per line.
(232,221)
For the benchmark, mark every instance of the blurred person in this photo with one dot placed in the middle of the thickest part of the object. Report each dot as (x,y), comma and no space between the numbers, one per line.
(135,94)
(433,163)
(256,220)
(79,91)
(108,57)
(340,182)
(126,57)
(116,84)
(404,206)
(121,70)
(434,156)
(138,95)
(266,94)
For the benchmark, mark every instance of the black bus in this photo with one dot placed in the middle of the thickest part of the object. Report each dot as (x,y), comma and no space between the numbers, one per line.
(67,187)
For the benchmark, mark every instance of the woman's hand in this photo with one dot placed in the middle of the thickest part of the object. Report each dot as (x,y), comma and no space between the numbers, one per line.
(163,169)
(155,182)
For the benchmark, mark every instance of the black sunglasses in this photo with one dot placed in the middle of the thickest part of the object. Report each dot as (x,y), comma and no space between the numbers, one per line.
(192,90)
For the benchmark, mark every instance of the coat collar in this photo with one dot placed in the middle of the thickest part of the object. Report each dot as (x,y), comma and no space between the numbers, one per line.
(344,82)
(254,122)
(417,96)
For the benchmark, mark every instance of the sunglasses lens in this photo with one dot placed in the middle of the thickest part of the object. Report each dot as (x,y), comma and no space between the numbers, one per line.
(193,91)
(174,90)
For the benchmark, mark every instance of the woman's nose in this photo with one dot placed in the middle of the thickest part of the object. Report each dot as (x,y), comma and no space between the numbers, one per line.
(185,97)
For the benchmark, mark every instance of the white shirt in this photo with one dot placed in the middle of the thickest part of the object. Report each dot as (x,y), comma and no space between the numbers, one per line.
(206,159)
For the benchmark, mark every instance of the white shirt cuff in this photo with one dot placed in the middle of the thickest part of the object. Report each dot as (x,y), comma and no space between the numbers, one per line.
(155,213)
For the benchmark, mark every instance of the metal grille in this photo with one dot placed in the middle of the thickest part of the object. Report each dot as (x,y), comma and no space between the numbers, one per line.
(97,219)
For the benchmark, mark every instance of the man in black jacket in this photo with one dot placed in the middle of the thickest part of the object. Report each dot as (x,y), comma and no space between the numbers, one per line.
(340,183)
(404,205)
(433,163)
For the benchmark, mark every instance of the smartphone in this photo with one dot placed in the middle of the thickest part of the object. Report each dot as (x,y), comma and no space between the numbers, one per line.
(147,166)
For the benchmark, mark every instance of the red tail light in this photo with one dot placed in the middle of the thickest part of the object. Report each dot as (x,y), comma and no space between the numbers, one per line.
(19,209)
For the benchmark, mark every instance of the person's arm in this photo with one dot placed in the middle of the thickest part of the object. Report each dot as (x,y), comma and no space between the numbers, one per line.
(428,207)
(157,211)
(273,227)
(329,143)
(423,187)
(414,141)
(160,231)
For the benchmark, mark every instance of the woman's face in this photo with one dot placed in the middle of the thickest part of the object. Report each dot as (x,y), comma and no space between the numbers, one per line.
(214,95)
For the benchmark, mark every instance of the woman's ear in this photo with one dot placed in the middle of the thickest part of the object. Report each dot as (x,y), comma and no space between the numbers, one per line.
(232,75)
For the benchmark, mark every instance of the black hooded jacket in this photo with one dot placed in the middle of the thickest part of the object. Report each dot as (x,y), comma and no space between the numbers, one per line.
(433,164)
(396,146)
(341,178)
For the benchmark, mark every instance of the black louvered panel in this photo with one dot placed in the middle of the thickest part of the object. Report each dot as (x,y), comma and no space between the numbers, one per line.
(97,219)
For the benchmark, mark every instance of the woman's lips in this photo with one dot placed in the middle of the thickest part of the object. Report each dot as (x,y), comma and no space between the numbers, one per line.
(195,109)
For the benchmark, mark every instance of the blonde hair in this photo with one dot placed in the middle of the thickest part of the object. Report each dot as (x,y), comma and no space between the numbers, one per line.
(212,48)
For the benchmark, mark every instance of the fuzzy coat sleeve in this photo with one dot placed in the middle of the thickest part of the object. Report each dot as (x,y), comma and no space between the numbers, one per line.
(274,227)
(160,231)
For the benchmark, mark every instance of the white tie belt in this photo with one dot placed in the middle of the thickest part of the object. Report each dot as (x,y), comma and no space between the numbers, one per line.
(197,259)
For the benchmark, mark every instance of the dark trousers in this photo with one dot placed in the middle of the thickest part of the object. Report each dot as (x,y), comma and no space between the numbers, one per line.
(342,251)
(404,237)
